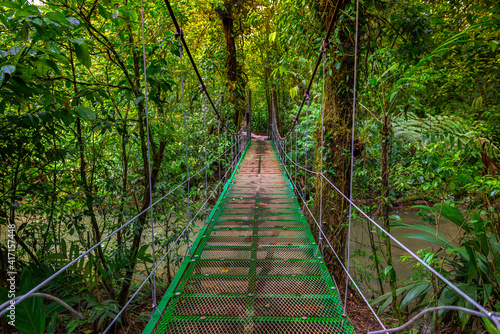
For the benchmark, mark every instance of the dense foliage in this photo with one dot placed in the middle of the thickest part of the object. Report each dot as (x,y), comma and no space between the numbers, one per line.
(74,141)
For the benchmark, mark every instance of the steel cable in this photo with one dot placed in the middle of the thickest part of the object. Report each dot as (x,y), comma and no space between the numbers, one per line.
(162,259)
(78,258)
(148,134)
(323,106)
(432,309)
(185,140)
(340,262)
(188,53)
(318,61)
(353,128)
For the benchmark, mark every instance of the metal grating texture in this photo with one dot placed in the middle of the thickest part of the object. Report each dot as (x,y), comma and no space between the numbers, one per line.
(255,268)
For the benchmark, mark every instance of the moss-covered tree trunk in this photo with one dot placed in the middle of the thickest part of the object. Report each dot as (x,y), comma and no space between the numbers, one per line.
(337,135)
(236,79)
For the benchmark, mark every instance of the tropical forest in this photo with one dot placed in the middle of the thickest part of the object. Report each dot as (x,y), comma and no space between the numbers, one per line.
(250,166)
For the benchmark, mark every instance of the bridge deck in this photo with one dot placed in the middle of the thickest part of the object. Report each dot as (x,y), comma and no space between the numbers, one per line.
(255,267)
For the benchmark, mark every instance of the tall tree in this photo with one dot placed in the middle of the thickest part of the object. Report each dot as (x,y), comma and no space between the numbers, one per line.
(337,127)
(236,78)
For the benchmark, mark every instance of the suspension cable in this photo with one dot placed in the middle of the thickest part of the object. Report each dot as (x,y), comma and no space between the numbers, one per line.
(218,147)
(353,128)
(163,258)
(323,106)
(88,251)
(318,61)
(188,53)
(185,140)
(433,309)
(340,262)
(306,147)
(148,134)
(205,148)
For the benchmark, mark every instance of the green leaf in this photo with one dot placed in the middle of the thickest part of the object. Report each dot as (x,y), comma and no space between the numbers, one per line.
(426,229)
(82,54)
(396,218)
(471,263)
(387,270)
(8,69)
(30,313)
(52,64)
(57,256)
(422,207)
(272,37)
(452,214)
(9,4)
(29,121)
(447,297)
(85,113)
(414,293)
(489,326)
(73,21)
(387,299)
(138,100)
(88,269)
(25,31)
(57,17)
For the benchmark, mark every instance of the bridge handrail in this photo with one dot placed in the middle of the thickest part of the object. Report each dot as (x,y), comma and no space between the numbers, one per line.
(75,260)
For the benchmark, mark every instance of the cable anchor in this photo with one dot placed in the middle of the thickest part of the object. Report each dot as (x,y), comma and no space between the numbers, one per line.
(178,33)
(325,44)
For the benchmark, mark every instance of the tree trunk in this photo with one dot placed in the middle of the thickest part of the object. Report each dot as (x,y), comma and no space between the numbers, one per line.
(235,77)
(337,139)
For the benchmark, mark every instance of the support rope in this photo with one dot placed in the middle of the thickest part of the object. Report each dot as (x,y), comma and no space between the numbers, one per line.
(306,145)
(185,138)
(205,148)
(353,128)
(107,238)
(323,106)
(163,258)
(148,134)
(432,309)
(318,61)
(188,53)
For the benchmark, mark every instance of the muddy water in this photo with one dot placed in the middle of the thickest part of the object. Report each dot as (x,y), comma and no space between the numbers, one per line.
(360,247)
(360,243)
(141,272)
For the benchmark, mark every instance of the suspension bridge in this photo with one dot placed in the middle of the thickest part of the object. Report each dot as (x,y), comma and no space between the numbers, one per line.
(255,267)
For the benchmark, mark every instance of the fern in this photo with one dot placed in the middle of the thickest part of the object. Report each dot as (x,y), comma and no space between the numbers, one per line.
(452,129)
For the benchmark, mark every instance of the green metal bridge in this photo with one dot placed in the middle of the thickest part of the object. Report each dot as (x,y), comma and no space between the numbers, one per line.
(255,266)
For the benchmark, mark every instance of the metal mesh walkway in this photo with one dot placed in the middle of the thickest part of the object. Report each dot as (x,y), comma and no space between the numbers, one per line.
(255,266)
